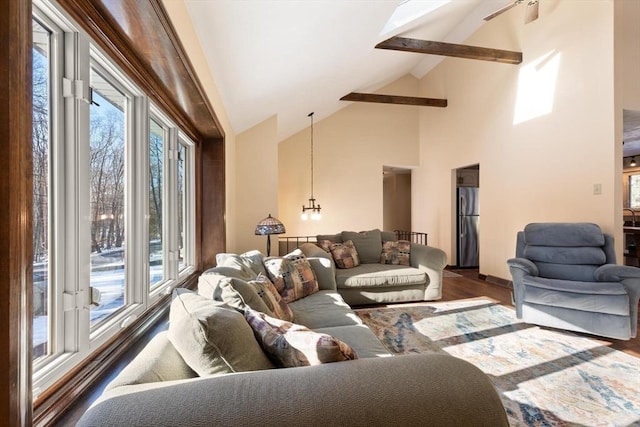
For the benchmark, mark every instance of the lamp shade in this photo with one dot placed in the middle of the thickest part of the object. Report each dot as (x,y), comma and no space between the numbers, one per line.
(270,225)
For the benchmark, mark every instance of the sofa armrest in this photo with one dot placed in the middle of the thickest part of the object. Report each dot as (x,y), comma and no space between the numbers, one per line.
(432,261)
(437,389)
(322,264)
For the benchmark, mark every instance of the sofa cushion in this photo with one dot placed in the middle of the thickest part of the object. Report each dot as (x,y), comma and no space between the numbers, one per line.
(234,292)
(368,244)
(396,252)
(379,275)
(290,345)
(212,337)
(272,299)
(292,275)
(345,254)
(324,309)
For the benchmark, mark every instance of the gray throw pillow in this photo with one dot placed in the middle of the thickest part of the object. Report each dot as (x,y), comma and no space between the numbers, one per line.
(368,244)
(211,337)
(233,291)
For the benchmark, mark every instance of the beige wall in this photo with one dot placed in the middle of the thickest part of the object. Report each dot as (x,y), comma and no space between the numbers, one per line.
(627,75)
(256,184)
(537,168)
(350,148)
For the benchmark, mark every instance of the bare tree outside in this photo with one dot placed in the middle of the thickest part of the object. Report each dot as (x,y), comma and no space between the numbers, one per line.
(107,181)
(41,150)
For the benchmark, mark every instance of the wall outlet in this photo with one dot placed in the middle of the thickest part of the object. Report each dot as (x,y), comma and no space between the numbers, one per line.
(597,189)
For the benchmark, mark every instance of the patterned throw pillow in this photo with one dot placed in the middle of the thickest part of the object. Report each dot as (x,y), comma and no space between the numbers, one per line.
(292,275)
(289,345)
(396,253)
(325,244)
(345,254)
(272,298)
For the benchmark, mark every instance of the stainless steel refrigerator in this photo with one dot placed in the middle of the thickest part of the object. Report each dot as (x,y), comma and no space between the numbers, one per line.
(468,226)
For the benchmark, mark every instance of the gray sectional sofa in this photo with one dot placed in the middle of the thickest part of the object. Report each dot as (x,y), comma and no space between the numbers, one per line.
(373,282)
(160,388)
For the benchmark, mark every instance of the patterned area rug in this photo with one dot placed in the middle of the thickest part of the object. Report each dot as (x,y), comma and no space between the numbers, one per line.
(545,378)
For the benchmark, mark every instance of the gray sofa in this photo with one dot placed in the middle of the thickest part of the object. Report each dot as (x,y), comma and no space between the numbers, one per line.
(159,388)
(372,282)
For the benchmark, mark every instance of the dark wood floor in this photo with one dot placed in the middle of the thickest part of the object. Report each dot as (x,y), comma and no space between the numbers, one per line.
(468,285)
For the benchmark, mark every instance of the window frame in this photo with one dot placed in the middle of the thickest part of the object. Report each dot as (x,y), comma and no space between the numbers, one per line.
(72,340)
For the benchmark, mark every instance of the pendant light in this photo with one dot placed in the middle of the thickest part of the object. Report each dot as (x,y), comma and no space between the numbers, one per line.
(315,209)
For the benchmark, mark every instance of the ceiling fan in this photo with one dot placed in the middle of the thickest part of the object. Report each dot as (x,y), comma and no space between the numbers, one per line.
(530,15)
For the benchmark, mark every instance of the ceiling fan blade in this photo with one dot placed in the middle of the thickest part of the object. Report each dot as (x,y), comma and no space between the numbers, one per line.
(502,10)
(532,11)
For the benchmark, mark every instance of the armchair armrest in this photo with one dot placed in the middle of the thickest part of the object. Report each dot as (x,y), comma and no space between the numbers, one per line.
(630,279)
(616,273)
(522,266)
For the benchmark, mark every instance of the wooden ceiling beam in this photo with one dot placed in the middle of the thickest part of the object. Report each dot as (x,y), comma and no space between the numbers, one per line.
(394,99)
(450,49)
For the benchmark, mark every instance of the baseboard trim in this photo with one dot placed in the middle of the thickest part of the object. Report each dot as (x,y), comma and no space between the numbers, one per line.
(496,280)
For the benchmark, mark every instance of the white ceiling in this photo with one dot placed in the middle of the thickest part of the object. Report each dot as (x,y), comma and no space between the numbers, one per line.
(291,57)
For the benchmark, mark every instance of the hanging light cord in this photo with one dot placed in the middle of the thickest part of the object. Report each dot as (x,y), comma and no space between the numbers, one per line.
(311,115)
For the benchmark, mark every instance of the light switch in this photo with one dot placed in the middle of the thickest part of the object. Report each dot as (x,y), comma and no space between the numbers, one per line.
(597,189)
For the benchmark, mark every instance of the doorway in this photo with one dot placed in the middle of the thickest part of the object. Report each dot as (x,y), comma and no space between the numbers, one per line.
(631,187)
(467,216)
(396,195)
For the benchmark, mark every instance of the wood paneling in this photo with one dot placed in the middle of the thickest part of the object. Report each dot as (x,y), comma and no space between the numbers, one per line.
(213,203)
(139,36)
(15,212)
(450,49)
(394,99)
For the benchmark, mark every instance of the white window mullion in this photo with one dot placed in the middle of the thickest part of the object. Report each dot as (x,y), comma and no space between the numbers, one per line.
(172,205)
(139,229)
(77,227)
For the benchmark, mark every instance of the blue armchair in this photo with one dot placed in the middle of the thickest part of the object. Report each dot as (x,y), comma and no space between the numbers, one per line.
(565,276)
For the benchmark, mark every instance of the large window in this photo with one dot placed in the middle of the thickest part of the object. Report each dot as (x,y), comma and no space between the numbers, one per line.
(41,213)
(107,140)
(113,199)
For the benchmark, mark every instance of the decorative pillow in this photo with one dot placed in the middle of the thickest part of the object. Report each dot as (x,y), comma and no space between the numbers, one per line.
(325,244)
(292,276)
(272,298)
(345,254)
(211,337)
(290,345)
(235,292)
(368,244)
(396,253)
(249,263)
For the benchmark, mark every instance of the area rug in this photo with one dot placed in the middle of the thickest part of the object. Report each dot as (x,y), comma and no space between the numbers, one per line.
(544,377)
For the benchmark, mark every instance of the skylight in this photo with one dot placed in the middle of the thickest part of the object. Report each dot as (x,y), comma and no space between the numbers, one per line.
(409,11)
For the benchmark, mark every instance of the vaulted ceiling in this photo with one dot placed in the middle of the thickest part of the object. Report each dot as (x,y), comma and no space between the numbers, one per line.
(288,58)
